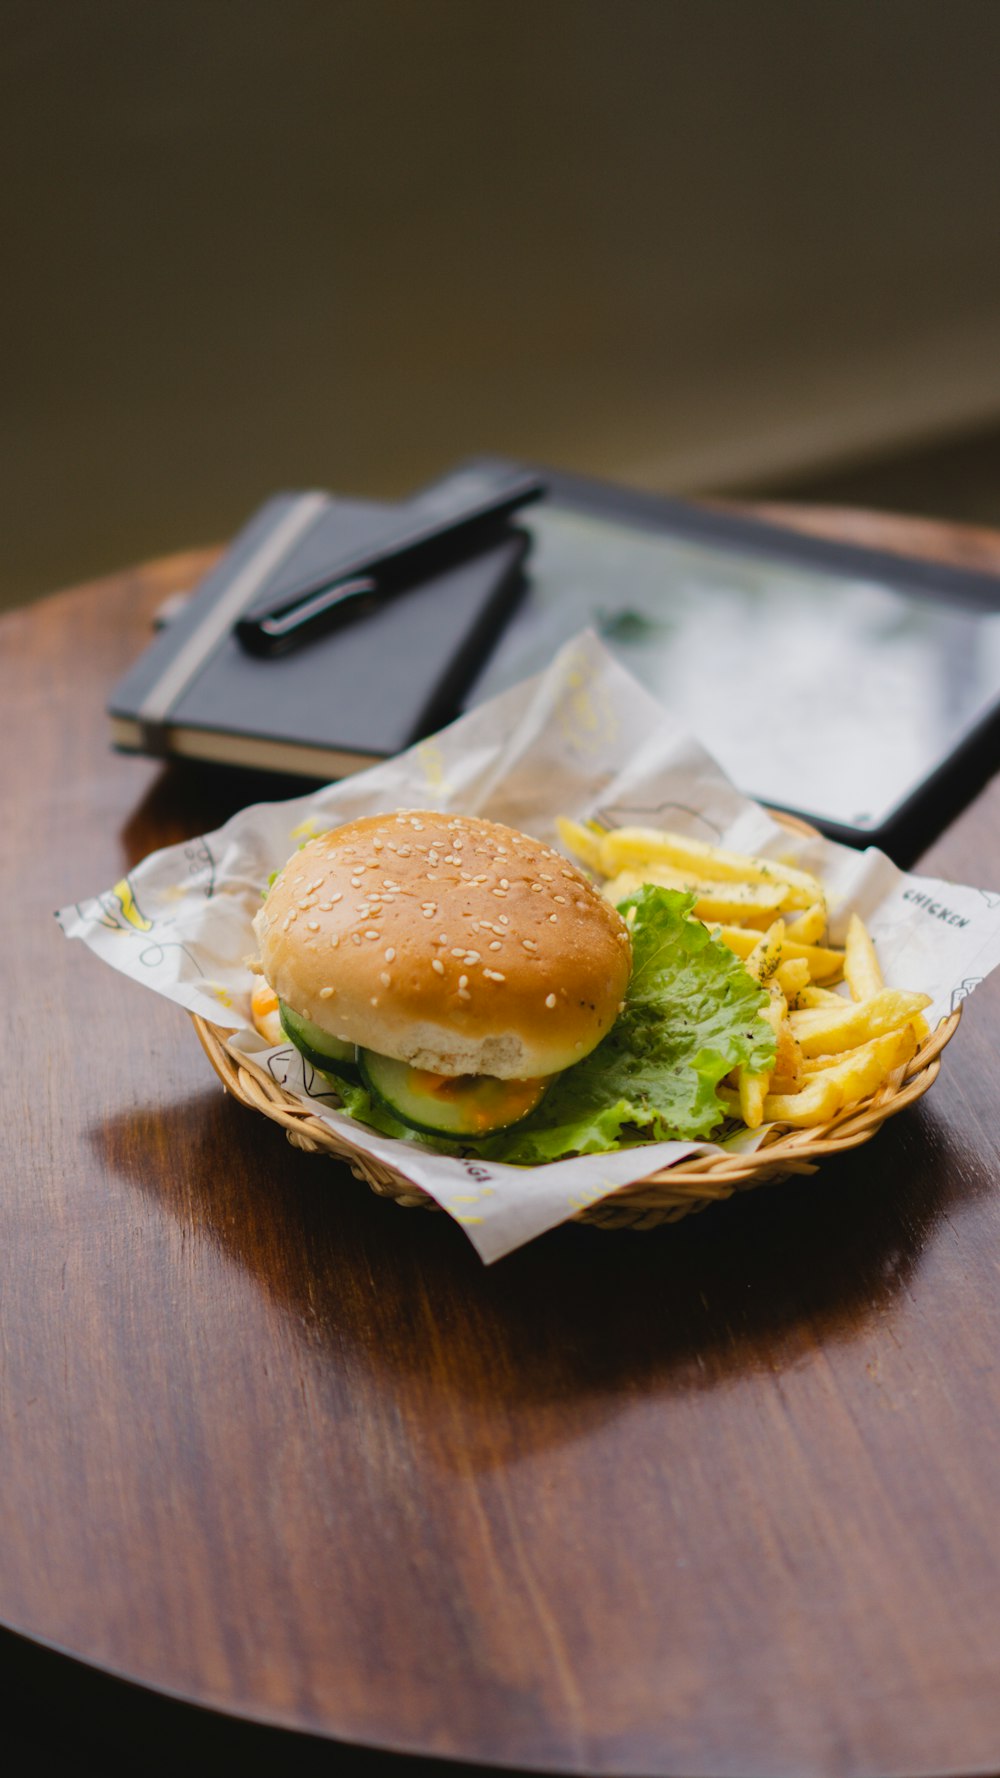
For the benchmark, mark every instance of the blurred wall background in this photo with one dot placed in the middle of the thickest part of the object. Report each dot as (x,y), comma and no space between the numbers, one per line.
(698,245)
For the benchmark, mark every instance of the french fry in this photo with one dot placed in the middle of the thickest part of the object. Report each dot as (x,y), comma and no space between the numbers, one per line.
(788,1075)
(714,901)
(861,969)
(828,1030)
(845,1081)
(767,952)
(824,965)
(752,1088)
(813,1105)
(814,996)
(626,848)
(809,927)
(792,975)
(584,841)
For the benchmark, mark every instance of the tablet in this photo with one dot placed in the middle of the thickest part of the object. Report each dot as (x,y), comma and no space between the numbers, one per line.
(856,688)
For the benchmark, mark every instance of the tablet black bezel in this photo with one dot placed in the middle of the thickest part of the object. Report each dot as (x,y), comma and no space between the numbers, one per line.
(906,828)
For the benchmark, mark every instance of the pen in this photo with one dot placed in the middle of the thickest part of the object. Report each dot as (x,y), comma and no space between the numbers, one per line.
(435,530)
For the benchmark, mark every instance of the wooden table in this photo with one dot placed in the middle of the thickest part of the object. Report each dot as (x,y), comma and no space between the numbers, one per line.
(715,1500)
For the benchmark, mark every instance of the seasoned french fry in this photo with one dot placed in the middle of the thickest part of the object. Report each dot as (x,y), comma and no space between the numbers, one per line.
(584,841)
(714,901)
(861,969)
(824,965)
(814,996)
(767,952)
(626,848)
(792,975)
(827,1030)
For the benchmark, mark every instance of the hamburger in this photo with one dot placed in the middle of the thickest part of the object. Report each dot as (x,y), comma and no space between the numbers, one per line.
(454,964)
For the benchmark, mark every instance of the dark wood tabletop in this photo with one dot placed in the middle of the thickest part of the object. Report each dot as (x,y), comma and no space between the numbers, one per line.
(718,1499)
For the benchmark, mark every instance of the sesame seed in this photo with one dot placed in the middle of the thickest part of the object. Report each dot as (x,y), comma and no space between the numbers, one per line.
(561,899)
(550,1001)
(390,954)
(377,845)
(385,978)
(308,902)
(326,993)
(495,945)
(338,897)
(493,975)
(334,942)
(545,876)
(286,922)
(504,922)
(463,981)
(374,999)
(459,951)
(437,964)
(504,884)
(356,938)
(312,925)
(463,994)
(554,919)
(442,938)
(473,956)
(529,944)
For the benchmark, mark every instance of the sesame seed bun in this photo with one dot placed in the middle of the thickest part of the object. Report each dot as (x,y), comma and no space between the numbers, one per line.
(454,944)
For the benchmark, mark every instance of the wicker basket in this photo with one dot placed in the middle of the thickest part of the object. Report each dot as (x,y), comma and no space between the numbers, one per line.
(664,1196)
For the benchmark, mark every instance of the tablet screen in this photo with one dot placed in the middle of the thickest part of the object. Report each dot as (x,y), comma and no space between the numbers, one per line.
(828,695)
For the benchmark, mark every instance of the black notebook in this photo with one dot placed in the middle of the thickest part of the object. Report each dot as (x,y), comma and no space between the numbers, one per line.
(340,701)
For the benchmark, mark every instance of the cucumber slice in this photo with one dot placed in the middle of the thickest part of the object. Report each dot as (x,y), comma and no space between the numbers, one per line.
(469,1105)
(327,1053)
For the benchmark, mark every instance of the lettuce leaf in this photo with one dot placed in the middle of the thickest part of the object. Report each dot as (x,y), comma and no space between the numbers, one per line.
(691,1014)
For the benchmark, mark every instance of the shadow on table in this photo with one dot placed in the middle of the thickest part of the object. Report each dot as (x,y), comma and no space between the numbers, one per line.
(576,1323)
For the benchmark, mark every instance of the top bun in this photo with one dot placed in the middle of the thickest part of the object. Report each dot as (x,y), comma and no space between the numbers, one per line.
(448,942)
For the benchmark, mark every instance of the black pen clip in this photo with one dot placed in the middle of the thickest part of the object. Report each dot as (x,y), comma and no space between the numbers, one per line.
(455,521)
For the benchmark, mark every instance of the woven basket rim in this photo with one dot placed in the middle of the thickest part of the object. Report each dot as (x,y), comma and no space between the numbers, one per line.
(663,1194)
